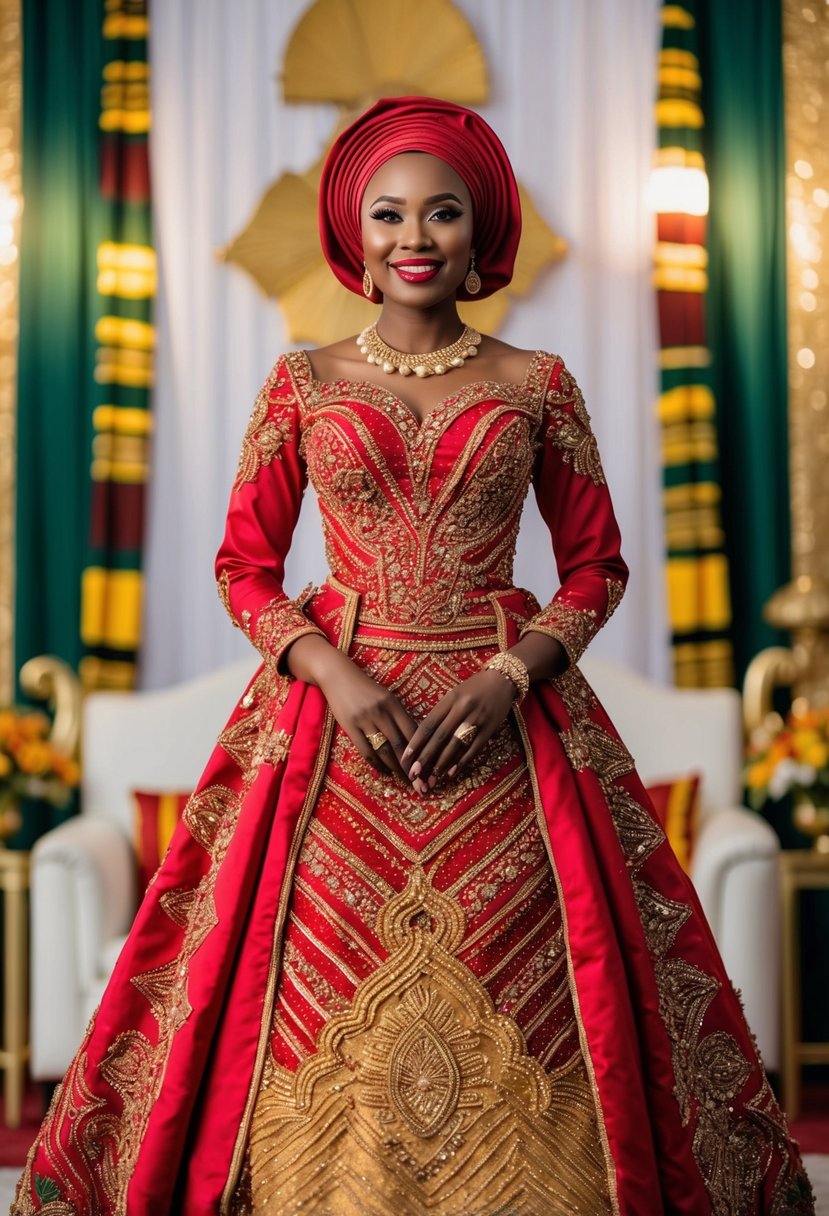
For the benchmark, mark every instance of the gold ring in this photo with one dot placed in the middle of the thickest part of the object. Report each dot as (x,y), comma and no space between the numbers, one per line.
(466,732)
(377,739)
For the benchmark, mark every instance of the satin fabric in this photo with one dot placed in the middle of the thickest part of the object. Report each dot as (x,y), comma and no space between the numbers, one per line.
(155,1110)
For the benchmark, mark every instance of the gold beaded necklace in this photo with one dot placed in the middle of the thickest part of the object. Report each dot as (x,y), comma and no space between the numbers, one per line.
(429,363)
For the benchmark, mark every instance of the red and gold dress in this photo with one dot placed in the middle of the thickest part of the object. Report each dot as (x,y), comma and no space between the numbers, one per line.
(339,997)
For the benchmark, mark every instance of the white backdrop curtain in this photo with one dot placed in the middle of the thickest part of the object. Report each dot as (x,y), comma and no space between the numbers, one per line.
(572,99)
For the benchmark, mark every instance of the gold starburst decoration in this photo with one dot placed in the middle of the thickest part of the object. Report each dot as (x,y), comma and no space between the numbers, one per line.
(350,52)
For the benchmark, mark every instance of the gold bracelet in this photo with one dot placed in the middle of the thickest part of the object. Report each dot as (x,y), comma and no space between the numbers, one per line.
(514,669)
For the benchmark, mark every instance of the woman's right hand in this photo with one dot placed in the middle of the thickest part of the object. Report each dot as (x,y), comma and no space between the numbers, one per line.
(360,705)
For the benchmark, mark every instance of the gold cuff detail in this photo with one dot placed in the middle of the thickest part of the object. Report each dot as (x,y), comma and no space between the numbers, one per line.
(514,669)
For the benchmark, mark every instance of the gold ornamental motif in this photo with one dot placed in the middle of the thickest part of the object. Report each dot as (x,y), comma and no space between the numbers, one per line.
(422,1098)
(269,429)
(571,431)
(352,54)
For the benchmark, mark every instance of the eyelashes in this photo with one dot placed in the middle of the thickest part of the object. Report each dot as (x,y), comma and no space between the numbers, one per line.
(442,215)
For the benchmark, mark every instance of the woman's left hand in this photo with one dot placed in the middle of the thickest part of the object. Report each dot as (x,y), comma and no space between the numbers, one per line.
(484,701)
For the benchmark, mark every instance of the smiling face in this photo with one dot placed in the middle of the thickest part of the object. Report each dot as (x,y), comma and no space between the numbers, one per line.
(416,220)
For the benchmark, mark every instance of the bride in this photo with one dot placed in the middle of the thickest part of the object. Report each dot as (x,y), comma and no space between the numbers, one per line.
(419,944)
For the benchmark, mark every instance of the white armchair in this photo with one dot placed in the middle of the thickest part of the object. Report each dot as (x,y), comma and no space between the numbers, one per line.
(83,874)
(83,880)
(734,866)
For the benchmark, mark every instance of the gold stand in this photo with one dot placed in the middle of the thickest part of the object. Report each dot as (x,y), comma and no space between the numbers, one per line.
(800,869)
(14,884)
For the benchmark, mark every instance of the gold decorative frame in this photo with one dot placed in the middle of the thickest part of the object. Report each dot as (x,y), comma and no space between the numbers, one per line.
(802,606)
(10,205)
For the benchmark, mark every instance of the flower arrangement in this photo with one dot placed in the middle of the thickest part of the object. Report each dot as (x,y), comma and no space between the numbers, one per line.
(30,766)
(790,754)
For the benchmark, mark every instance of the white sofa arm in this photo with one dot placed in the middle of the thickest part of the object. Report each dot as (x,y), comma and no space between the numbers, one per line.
(735,872)
(727,837)
(82,895)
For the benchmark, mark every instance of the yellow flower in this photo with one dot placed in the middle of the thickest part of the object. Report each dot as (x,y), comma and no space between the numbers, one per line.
(5,765)
(817,755)
(803,742)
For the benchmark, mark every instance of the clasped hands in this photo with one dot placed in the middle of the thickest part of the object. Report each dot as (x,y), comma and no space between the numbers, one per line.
(445,742)
(387,736)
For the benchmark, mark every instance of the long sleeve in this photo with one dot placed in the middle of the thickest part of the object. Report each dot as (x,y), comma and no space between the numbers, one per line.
(263,512)
(574,502)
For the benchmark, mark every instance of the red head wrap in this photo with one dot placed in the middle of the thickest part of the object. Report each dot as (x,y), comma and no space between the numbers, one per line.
(421,124)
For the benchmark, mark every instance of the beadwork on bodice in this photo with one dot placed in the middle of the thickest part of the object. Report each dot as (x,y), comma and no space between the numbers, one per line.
(420,518)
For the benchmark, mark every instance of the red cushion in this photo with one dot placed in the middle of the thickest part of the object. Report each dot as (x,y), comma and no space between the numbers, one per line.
(676,803)
(156,818)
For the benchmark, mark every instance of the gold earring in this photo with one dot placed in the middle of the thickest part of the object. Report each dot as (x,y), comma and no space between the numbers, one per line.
(472,282)
(368,286)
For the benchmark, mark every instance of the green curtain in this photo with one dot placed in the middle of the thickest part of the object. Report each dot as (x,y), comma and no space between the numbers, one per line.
(62,62)
(743,141)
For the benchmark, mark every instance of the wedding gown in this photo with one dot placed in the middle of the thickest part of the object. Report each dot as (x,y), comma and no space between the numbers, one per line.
(339,997)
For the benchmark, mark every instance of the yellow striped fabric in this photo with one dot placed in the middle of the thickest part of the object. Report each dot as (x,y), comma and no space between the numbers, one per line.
(111,603)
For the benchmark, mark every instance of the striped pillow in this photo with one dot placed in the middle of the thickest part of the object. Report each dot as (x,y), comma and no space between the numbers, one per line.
(676,804)
(156,817)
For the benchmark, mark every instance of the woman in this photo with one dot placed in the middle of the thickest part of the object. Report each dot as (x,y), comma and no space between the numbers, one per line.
(419,944)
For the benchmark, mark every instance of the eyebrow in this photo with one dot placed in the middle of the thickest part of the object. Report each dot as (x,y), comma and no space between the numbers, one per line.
(433,198)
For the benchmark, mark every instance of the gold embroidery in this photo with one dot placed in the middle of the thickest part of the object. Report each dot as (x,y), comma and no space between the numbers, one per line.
(571,431)
(340,880)
(420,1096)
(615,594)
(278,623)
(573,627)
(579,698)
(450,543)
(397,794)
(639,833)
(223,587)
(588,744)
(272,745)
(270,427)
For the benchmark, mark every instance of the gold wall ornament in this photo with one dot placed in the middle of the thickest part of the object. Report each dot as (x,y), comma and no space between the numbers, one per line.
(352,53)
(802,606)
(10,207)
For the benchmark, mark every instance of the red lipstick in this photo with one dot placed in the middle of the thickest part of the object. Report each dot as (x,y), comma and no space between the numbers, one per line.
(417,270)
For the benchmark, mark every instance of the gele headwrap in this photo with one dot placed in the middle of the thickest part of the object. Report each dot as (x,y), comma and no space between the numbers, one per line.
(421,124)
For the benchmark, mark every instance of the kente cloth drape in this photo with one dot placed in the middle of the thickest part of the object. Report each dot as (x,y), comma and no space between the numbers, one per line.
(112,580)
(697,563)
(572,98)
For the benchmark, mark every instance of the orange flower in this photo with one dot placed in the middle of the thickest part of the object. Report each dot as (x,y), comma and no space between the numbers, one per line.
(5,765)
(8,723)
(33,725)
(758,775)
(34,758)
(67,770)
